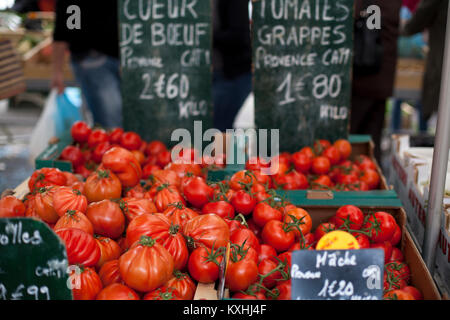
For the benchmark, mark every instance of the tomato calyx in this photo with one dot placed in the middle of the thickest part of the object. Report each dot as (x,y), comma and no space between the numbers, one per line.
(103,174)
(238,252)
(163,186)
(174,229)
(178,205)
(123,205)
(241,219)
(179,275)
(214,254)
(147,241)
(72,215)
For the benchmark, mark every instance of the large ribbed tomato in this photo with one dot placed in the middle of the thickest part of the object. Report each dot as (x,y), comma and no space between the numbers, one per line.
(167,195)
(74,219)
(197,192)
(88,285)
(109,273)
(208,230)
(107,218)
(183,283)
(101,185)
(158,227)
(169,177)
(11,207)
(179,214)
(109,250)
(46,177)
(133,207)
(146,266)
(117,291)
(81,247)
(163,293)
(66,198)
(44,204)
(123,164)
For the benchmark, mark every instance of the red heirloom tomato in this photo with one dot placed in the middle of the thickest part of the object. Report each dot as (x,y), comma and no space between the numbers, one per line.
(130,141)
(107,218)
(146,266)
(109,273)
(382,226)
(351,216)
(96,137)
(44,204)
(109,250)
(11,207)
(222,208)
(81,247)
(117,291)
(203,264)
(101,185)
(154,147)
(302,162)
(240,275)
(71,179)
(99,151)
(178,214)
(197,192)
(301,218)
(247,236)
(344,147)
(267,266)
(386,246)
(321,165)
(163,293)
(371,177)
(263,213)
(66,198)
(89,284)
(72,154)
(124,165)
(149,169)
(46,177)
(166,176)
(240,178)
(166,196)
(323,229)
(278,235)
(333,154)
(209,230)
(133,207)
(74,219)
(243,202)
(115,134)
(80,131)
(183,283)
(398,295)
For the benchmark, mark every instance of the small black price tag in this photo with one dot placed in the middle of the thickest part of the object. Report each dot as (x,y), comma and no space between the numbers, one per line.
(337,274)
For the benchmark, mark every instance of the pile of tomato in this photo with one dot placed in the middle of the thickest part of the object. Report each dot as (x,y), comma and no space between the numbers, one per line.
(132,236)
(324,166)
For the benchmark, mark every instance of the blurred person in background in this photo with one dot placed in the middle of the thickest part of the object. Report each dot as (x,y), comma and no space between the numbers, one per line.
(371,91)
(94,52)
(409,48)
(430,15)
(232,60)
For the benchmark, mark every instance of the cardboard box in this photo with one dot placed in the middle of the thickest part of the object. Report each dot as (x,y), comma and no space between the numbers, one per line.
(420,276)
(442,271)
(409,75)
(410,173)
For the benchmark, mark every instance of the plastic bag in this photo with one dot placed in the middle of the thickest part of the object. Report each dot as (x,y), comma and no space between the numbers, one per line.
(58,115)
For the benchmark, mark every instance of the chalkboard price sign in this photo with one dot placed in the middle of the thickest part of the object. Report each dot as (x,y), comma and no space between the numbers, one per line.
(33,263)
(165,49)
(337,274)
(302,56)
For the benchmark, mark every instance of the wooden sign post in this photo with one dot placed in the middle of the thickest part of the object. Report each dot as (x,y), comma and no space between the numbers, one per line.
(166,66)
(337,274)
(302,57)
(33,263)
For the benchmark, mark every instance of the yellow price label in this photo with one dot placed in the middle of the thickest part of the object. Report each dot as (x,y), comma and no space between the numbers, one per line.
(337,240)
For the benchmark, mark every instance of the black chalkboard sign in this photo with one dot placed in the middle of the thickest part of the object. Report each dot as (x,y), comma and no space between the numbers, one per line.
(33,263)
(302,57)
(337,274)
(165,52)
